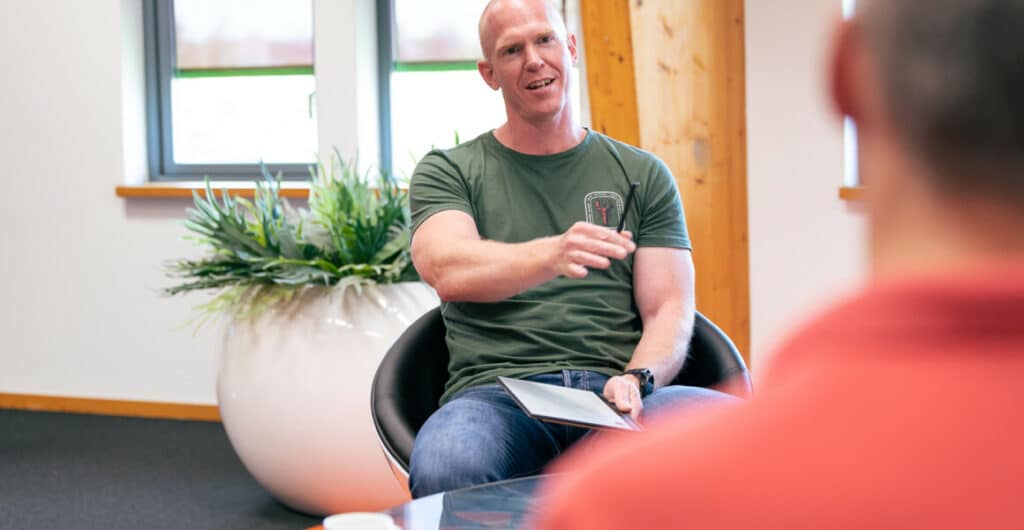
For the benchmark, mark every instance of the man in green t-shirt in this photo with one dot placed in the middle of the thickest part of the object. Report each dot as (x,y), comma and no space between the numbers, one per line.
(517,232)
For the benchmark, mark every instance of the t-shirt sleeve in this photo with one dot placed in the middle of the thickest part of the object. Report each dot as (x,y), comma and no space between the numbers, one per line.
(437,185)
(662,220)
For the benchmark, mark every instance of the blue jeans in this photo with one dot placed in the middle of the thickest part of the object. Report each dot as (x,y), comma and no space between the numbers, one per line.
(482,436)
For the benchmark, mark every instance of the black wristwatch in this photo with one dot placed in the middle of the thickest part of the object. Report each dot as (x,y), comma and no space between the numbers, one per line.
(646,379)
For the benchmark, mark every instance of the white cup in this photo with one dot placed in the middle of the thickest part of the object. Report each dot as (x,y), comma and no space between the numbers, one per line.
(360,521)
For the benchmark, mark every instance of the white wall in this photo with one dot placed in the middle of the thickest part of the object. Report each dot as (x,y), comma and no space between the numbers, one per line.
(347,111)
(806,245)
(80,268)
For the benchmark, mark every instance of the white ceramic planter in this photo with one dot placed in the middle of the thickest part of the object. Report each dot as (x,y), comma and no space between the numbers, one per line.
(294,394)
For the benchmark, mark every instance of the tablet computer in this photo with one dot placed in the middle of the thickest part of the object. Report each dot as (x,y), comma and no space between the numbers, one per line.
(569,406)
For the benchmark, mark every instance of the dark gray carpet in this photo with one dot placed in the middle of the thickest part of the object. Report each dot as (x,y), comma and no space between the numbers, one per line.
(99,472)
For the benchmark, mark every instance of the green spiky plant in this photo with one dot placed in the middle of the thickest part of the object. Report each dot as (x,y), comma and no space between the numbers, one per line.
(263,251)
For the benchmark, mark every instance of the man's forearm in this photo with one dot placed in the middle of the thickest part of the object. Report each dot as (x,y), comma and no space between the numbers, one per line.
(662,347)
(487,271)
(461,266)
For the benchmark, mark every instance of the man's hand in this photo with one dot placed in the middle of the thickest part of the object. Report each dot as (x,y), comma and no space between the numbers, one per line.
(624,392)
(588,246)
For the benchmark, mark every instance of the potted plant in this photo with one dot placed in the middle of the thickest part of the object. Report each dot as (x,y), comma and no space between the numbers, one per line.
(313,298)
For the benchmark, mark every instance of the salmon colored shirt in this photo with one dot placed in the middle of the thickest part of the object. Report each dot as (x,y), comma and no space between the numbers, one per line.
(900,408)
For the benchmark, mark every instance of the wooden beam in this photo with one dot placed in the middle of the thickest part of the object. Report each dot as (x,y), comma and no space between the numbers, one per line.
(691,102)
(607,39)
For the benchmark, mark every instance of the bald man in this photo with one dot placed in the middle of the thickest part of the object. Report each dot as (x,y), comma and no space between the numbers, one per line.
(895,408)
(516,230)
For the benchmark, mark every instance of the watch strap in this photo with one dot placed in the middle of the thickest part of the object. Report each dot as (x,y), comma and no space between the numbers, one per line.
(644,377)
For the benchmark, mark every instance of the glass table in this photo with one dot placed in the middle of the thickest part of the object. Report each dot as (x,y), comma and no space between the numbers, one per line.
(497,506)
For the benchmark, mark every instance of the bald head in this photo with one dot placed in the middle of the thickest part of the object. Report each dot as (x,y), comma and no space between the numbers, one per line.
(952,79)
(501,10)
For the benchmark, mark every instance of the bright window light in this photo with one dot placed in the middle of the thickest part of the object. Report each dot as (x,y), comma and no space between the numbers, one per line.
(244,120)
(851,173)
(459,103)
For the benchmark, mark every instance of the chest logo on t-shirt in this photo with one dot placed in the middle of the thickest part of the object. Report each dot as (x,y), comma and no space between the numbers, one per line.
(603,208)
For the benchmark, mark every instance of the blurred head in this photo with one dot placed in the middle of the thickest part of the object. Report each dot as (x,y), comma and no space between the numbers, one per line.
(935,88)
(527,55)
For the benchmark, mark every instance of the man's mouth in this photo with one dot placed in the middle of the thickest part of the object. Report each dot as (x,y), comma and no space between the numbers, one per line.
(539,84)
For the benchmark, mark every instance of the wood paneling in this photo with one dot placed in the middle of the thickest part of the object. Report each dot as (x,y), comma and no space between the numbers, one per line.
(689,89)
(609,65)
(108,407)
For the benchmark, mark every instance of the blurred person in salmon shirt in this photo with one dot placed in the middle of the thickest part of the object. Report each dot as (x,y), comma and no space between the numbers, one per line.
(895,407)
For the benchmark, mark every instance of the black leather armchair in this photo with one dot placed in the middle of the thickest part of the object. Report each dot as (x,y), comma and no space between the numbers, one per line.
(411,378)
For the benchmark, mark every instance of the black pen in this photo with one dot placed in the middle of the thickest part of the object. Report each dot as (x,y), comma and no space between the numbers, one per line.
(629,200)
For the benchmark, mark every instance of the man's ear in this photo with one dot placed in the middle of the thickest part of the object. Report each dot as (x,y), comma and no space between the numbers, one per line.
(487,73)
(843,69)
(571,41)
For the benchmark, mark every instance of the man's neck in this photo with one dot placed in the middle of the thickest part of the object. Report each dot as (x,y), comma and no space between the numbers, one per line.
(946,235)
(917,227)
(540,138)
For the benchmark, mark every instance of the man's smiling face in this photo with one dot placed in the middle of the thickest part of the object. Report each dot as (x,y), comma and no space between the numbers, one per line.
(527,54)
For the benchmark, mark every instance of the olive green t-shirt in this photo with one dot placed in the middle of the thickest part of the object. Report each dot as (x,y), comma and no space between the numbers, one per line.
(582,324)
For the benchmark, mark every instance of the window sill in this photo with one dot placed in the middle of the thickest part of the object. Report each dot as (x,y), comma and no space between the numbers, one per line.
(851,193)
(183,190)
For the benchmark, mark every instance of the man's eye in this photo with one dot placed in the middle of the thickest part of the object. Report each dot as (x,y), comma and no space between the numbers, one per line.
(546,39)
(511,50)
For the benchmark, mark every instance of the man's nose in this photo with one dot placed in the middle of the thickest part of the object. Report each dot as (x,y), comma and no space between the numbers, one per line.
(533,59)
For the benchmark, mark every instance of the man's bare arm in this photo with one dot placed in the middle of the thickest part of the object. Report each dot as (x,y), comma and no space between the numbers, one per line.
(663,280)
(663,287)
(451,256)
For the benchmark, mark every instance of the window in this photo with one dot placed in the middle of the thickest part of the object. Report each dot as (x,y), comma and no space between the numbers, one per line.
(851,173)
(233,83)
(430,88)
(230,85)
